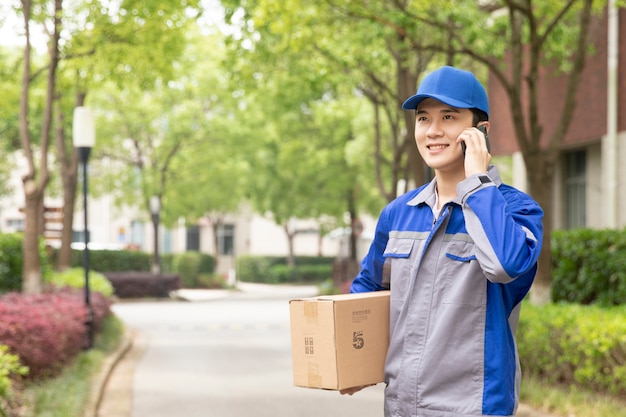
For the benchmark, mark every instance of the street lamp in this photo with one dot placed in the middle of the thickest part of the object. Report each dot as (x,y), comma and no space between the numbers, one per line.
(84,136)
(155,209)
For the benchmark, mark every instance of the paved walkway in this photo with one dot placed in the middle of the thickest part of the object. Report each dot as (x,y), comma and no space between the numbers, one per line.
(112,391)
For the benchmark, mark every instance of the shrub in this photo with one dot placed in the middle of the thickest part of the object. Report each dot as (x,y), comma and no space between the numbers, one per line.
(47,330)
(75,278)
(301,273)
(11,261)
(114,260)
(589,266)
(253,268)
(137,284)
(190,265)
(565,344)
(274,269)
(10,367)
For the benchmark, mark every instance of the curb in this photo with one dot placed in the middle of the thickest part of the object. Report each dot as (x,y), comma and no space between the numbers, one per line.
(100,380)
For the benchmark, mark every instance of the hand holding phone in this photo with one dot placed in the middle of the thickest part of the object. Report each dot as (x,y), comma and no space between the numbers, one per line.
(483,129)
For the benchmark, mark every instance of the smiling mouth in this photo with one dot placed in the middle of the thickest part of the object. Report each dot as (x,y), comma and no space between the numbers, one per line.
(436,147)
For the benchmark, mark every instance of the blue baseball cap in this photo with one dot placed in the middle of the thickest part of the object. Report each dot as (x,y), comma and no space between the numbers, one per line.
(452,86)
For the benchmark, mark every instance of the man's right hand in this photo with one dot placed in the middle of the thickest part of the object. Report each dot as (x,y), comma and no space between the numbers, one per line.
(350,391)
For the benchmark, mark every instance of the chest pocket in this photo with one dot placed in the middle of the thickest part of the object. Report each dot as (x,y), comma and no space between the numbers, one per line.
(397,266)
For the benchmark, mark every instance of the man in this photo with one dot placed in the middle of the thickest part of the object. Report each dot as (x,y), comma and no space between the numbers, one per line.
(459,254)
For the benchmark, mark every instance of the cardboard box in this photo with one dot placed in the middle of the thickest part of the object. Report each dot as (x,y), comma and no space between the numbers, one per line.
(339,341)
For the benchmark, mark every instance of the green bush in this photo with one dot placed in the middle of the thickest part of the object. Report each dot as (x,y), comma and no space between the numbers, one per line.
(75,278)
(274,269)
(114,260)
(9,367)
(253,268)
(190,265)
(575,345)
(11,261)
(301,273)
(589,266)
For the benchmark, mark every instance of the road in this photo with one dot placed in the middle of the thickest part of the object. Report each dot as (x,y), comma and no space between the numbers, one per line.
(225,357)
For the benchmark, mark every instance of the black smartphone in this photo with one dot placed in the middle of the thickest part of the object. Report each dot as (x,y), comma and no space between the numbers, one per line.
(483,129)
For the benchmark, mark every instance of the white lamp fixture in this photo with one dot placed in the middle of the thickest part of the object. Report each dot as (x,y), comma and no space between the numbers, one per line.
(155,204)
(84,131)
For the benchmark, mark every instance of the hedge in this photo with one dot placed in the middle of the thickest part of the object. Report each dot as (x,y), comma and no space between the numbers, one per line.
(589,266)
(139,284)
(11,261)
(575,345)
(274,269)
(48,330)
(191,265)
(75,278)
(114,260)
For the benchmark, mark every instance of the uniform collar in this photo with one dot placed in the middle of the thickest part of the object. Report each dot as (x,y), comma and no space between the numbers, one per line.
(428,193)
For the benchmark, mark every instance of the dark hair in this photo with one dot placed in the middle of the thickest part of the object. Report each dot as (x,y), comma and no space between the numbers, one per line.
(479,116)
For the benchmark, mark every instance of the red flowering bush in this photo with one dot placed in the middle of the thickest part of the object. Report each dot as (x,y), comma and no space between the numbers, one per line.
(48,330)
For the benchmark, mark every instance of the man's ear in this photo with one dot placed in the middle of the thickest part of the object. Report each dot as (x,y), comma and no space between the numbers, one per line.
(484,123)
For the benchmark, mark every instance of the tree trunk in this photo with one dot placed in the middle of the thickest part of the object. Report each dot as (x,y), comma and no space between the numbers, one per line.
(31,283)
(69,177)
(291,257)
(541,172)
(215,223)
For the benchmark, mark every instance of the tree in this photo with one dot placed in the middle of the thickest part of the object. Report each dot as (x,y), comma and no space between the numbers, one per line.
(134,44)
(527,37)
(177,141)
(512,40)
(37,176)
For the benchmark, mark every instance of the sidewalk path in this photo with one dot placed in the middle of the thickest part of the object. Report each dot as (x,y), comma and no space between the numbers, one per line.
(112,391)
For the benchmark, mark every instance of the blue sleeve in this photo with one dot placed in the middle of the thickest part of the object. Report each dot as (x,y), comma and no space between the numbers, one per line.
(506,226)
(370,276)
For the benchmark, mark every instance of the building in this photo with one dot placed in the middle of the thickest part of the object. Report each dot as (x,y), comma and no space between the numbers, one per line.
(590,183)
(242,233)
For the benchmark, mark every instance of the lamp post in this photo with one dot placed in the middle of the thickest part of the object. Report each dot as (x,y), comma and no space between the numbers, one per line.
(155,210)
(84,137)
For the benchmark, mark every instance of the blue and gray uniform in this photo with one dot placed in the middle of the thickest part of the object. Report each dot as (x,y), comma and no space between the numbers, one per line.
(457,281)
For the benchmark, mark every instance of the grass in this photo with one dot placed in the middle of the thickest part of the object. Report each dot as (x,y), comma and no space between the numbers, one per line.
(67,394)
(570,402)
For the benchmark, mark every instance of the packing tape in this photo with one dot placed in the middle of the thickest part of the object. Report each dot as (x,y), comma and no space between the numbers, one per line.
(310,310)
(314,377)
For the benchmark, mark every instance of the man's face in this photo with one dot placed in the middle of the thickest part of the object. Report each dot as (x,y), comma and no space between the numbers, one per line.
(437,127)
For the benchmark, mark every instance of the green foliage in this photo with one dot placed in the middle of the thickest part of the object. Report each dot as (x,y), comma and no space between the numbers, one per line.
(575,345)
(114,260)
(75,278)
(589,266)
(191,265)
(327,287)
(11,261)
(274,270)
(9,367)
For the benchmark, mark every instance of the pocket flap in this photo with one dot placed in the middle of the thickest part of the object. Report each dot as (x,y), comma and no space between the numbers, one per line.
(399,248)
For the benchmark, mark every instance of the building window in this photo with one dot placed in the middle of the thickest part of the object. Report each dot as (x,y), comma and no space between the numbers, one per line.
(226,239)
(193,238)
(136,233)
(15,225)
(575,184)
